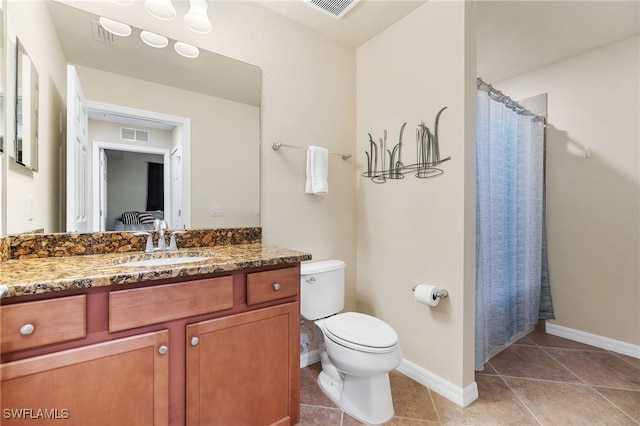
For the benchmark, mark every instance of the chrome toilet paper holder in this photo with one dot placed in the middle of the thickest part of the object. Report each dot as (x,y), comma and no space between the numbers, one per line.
(441,293)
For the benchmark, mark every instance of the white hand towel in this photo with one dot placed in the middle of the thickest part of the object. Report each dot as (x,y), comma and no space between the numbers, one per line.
(317,170)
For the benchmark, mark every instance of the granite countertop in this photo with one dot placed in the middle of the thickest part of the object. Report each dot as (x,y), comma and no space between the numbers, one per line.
(44,275)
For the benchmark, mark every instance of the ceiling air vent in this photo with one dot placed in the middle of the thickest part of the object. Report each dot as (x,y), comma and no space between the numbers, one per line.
(335,8)
(100,34)
(134,135)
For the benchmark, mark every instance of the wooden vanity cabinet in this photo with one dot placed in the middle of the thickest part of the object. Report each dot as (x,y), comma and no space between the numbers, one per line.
(221,350)
(245,369)
(119,382)
(33,324)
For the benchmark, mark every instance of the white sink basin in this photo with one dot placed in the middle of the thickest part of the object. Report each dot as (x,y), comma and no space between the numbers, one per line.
(164,261)
(163,258)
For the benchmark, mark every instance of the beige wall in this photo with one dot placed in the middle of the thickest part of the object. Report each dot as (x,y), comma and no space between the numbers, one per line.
(308,98)
(420,230)
(30,23)
(593,205)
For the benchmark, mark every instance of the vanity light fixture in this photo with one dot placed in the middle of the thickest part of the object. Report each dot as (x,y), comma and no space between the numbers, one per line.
(153,39)
(196,18)
(186,50)
(161,9)
(115,27)
(123,2)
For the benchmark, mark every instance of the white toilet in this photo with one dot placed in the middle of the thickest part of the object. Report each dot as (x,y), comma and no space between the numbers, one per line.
(358,350)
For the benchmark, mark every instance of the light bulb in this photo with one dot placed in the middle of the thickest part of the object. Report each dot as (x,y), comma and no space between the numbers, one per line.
(186,50)
(196,18)
(161,9)
(115,27)
(153,39)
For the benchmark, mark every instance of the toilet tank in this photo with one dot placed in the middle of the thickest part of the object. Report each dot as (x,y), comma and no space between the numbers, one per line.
(321,288)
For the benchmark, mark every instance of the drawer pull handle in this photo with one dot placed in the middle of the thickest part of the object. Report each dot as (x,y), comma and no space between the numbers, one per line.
(194,341)
(276,286)
(27,329)
(163,350)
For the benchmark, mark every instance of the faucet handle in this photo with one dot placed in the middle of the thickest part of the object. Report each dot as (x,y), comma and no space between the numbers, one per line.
(149,247)
(172,242)
(159,224)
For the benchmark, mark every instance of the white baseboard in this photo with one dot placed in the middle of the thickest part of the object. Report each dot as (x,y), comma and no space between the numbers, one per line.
(308,358)
(593,340)
(453,393)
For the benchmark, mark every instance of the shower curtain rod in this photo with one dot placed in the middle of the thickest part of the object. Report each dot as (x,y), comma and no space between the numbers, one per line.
(510,103)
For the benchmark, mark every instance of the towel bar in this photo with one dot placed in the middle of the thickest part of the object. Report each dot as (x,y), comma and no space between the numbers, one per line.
(277,145)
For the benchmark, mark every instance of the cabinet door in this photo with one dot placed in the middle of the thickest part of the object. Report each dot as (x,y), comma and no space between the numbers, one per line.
(121,382)
(245,369)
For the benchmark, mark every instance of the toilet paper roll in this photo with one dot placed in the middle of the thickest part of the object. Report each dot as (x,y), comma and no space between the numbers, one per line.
(425,293)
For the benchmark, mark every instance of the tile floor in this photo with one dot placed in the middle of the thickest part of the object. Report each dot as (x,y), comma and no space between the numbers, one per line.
(539,380)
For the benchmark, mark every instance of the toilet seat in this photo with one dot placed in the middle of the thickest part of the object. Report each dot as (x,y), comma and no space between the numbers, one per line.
(361,332)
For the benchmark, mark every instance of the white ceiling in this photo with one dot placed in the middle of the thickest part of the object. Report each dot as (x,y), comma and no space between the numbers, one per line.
(513,36)
(366,19)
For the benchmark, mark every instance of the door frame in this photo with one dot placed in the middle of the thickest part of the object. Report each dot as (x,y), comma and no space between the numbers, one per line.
(185,143)
(97,173)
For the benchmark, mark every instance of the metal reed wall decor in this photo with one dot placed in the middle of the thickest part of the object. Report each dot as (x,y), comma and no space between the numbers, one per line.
(386,163)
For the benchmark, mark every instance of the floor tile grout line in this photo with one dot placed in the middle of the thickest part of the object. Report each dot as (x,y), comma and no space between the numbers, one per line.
(534,379)
(520,399)
(435,407)
(583,383)
(597,350)
(614,404)
(554,359)
(320,406)
(615,388)
(625,360)
(571,349)
(564,366)
(415,419)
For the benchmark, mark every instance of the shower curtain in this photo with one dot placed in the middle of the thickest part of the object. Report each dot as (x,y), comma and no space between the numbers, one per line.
(509,224)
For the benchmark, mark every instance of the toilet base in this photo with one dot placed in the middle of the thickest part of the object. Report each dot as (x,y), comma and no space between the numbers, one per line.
(366,399)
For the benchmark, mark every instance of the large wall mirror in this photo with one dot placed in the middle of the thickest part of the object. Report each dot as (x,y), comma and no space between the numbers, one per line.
(198,118)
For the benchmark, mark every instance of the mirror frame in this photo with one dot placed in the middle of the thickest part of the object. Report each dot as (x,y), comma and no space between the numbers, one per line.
(26,110)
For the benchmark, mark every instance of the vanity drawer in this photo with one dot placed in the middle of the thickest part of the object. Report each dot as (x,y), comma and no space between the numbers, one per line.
(151,305)
(272,285)
(31,324)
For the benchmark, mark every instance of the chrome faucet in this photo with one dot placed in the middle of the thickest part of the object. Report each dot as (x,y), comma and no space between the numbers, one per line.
(172,243)
(160,226)
(149,248)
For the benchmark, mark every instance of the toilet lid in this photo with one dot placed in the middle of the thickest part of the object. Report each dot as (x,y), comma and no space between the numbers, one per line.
(361,330)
